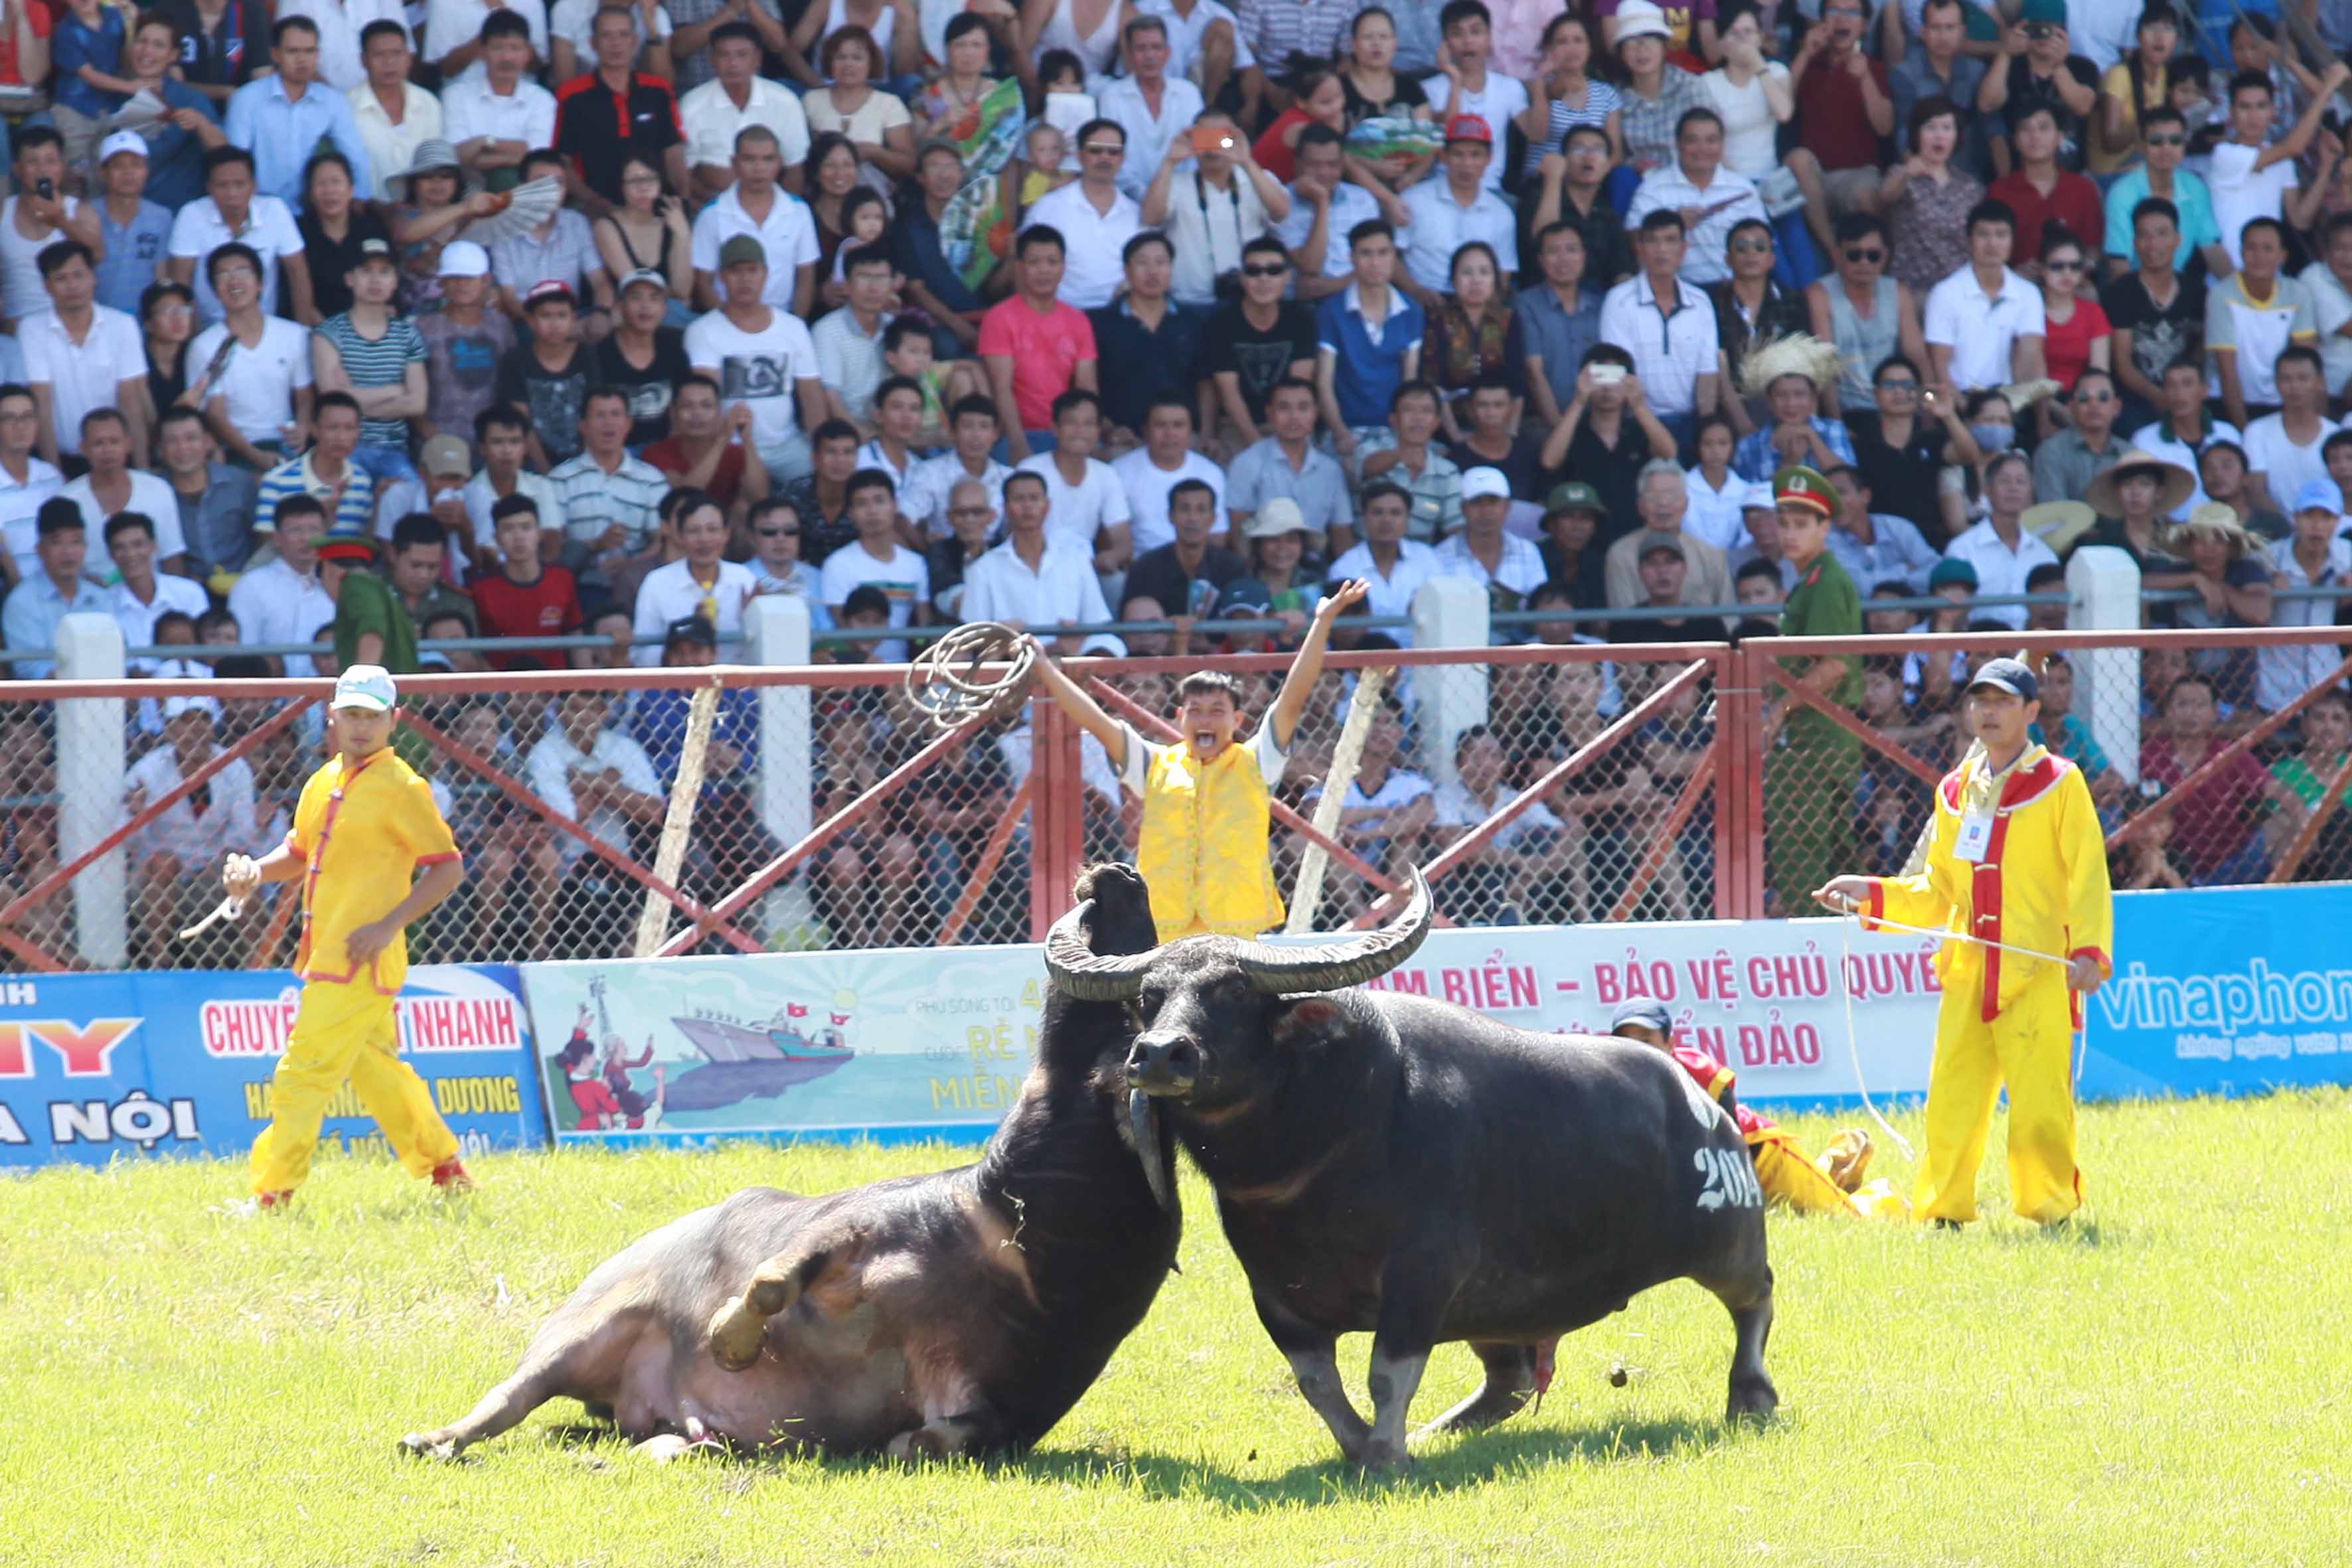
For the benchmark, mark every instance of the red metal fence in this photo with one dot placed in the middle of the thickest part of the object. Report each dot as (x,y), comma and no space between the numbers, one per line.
(1535,784)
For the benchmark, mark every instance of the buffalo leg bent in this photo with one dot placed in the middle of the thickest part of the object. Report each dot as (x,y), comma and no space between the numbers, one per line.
(1510,1384)
(740,1328)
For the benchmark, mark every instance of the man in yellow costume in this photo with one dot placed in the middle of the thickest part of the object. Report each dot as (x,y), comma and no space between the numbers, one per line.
(1203,848)
(1790,1177)
(364,828)
(2015,856)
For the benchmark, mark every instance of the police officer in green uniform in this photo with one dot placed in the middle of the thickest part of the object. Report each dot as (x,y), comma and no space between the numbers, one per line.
(1812,764)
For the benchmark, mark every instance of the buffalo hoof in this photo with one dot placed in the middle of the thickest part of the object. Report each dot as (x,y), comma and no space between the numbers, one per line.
(428,1446)
(921,1442)
(1384,1458)
(1752,1399)
(736,1335)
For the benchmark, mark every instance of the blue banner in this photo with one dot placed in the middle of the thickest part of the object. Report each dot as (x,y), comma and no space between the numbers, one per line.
(96,1066)
(2224,991)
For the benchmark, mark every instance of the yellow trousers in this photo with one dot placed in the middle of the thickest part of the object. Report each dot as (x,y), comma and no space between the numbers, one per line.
(1792,1180)
(2030,1046)
(345,1032)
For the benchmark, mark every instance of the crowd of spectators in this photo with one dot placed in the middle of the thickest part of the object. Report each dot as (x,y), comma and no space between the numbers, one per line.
(354,326)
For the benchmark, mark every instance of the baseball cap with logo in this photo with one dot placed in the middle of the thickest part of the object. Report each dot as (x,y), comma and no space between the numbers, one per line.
(1469,128)
(548,288)
(1482,482)
(1760,498)
(374,248)
(367,686)
(463,258)
(741,249)
(1574,494)
(691,629)
(122,141)
(644,275)
(445,455)
(208,706)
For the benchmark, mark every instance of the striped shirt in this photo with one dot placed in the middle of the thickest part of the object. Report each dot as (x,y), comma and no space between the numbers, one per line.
(1277,29)
(1601,101)
(297,477)
(370,362)
(594,499)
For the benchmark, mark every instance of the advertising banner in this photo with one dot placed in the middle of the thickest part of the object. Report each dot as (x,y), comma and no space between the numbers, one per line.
(2224,991)
(96,1066)
(936,1043)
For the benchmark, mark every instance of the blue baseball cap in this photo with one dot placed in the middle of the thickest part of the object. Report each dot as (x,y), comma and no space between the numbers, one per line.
(2319,495)
(1642,1011)
(2011,675)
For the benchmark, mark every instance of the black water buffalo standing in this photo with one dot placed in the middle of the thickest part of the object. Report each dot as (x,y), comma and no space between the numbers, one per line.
(962,1311)
(1390,1163)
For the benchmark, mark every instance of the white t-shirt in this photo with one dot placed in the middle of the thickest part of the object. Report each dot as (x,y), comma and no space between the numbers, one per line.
(1719,517)
(1503,100)
(1077,513)
(258,382)
(152,498)
(1147,485)
(199,231)
(480,498)
(21,293)
(576,20)
(555,759)
(905,580)
(788,235)
(2241,194)
(762,370)
(1457,807)
(2290,466)
(1392,594)
(82,375)
(138,621)
(451,25)
(1750,134)
(669,593)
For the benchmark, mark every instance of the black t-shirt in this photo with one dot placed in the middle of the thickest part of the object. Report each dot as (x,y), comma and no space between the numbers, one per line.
(2159,336)
(597,129)
(1404,97)
(1259,359)
(2027,92)
(1902,479)
(552,399)
(650,387)
(1157,574)
(1522,464)
(1688,629)
(331,260)
(1614,471)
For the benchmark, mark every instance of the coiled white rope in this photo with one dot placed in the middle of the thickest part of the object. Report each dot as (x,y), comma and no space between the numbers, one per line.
(945,680)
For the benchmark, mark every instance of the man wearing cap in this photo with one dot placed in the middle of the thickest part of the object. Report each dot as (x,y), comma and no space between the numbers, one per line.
(2310,557)
(762,358)
(175,853)
(1710,197)
(35,605)
(1572,555)
(464,344)
(2007,1020)
(1810,764)
(1664,567)
(364,827)
(1203,846)
(1790,1178)
(439,491)
(1760,515)
(134,229)
(546,378)
(375,354)
(1508,567)
(1453,209)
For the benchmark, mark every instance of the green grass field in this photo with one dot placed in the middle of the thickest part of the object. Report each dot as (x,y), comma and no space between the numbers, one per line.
(2171,1384)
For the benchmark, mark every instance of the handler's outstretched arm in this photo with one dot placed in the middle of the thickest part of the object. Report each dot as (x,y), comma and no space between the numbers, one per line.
(1083,710)
(1290,702)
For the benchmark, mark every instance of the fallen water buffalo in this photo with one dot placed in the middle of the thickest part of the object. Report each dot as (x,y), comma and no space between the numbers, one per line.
(957,1312)
(1390,1163)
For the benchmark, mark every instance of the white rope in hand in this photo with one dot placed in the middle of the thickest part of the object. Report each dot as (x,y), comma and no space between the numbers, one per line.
(945,680)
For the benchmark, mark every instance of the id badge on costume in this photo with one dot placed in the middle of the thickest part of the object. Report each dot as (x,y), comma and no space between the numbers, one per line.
(1975,837)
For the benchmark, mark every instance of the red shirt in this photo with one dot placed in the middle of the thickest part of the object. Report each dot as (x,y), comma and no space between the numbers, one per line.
(1834,127)
(2072,201)
(2066,346)
(547,608)
(669,456)
(2210,823)
(1046,347)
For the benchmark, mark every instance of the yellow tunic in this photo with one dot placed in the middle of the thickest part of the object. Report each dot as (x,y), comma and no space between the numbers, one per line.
(2038,879)
(1203,848)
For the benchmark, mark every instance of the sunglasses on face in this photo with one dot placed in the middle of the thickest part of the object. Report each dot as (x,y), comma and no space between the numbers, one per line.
(1903,386)
(1857,254)
(779,532)
(1103,150)
(1265,269)
(2167,141)
(2064,265)
(2095,397)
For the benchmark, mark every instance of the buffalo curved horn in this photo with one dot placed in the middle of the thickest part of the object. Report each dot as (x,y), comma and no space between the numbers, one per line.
(1294,970)
(1085,974)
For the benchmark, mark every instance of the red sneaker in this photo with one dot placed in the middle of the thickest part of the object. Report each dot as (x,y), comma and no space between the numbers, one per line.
(262,1204)
(451,1176)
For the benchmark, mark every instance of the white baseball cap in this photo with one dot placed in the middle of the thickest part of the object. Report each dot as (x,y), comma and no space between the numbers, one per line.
(122,141)
(367,685)
(1483,481)
(1760,498)
(644,275)
(463,258)
(175,706)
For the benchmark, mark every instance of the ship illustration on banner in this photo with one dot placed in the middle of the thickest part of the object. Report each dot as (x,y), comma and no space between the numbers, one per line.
(745,1059)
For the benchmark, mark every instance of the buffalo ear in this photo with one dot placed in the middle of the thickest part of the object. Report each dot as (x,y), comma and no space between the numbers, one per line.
(1304,1020)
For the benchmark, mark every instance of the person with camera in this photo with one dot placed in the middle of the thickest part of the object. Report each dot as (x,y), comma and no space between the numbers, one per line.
(1210,213)
(2038,72)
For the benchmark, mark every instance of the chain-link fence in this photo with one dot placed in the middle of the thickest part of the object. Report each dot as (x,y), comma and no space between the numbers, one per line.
(1542,784)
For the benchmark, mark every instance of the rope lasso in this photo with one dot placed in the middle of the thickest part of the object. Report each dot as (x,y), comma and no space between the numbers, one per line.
(945,681)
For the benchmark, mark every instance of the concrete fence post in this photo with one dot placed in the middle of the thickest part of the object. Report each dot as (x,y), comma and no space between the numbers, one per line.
(777,627)
(92,772)
(2104,584)
(1449,612)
